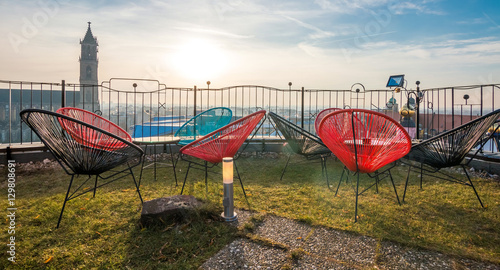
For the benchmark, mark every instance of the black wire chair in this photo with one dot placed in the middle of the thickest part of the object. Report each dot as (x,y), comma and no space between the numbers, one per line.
(449,149)
(88,157)
(302,143)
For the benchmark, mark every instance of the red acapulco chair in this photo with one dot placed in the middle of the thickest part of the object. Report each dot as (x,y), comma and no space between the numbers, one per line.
(223,142)
(88,137)
(364,141)
(322,114)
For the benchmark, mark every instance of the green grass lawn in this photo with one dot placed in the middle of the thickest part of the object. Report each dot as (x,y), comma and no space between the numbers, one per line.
(105,231)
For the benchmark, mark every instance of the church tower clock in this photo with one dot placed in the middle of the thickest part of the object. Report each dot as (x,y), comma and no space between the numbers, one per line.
(89,94)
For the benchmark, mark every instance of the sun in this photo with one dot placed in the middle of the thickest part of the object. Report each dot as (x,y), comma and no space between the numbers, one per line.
(199,59)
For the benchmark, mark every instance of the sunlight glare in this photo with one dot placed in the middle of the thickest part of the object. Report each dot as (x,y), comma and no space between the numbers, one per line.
(199,60)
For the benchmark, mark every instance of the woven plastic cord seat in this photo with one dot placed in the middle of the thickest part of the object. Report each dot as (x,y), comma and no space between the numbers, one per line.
(88,137)
(224,142)
(80,157)
(449,149)
(302,143)
(364,141)
(203,123)
(320,116)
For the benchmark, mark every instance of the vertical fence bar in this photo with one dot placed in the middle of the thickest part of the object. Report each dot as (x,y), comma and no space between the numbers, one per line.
(50,97)
(309,105)
(21,108)
(439,109)
(452,108)
(302,110)
(481,101)
(135,107)
(493,99)
(290,101)
(445,112)
(63,94)
(41,95)
(194,103)
(10,112)
(74,96)
(126,109)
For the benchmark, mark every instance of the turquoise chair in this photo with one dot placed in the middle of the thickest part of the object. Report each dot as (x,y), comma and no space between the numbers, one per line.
(203,124)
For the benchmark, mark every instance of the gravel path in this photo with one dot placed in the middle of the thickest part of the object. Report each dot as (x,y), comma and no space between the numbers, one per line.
(280,243)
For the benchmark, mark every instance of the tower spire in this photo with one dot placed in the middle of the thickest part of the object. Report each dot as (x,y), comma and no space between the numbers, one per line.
(89,38)
(88,71)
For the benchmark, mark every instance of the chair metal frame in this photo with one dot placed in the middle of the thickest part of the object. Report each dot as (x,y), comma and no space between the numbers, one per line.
(81,158)
(449,149)
(351,142)
(219,135)
(102,123)
(302,143)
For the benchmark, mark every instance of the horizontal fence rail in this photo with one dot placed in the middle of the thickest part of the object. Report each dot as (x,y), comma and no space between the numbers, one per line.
(144,107)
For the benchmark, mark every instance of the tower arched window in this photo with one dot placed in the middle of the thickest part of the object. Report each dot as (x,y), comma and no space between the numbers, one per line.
(88,72)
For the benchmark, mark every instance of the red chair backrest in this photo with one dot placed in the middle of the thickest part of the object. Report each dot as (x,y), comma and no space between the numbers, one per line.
(364,140)
(320,116)
(88,137)
(225,141)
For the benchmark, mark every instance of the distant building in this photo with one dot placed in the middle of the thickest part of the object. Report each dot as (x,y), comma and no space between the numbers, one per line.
(88,72)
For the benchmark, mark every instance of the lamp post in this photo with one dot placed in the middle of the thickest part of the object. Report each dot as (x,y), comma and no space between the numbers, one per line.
(208,85)
(419,98)
(466,97)
(227,180)
(412,107)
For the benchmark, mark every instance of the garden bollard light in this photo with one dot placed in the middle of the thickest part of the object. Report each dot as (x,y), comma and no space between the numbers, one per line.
(227,180)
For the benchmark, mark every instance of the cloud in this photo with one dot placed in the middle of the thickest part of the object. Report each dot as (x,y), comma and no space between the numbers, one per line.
(213,32)
(348,7)
(311,50)
(479,52)
(421,7)
(473,21)
(491,20)
(397,7)
(318,33)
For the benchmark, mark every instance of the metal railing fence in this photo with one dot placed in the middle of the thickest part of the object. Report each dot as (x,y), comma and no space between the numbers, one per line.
(137,104)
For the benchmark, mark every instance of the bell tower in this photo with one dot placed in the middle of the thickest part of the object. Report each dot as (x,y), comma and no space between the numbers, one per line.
(89,94)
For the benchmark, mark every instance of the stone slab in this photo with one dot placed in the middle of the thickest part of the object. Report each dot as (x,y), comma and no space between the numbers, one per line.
(163,210)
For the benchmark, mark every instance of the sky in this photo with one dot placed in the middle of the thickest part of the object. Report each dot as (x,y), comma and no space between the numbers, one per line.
(318,44)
